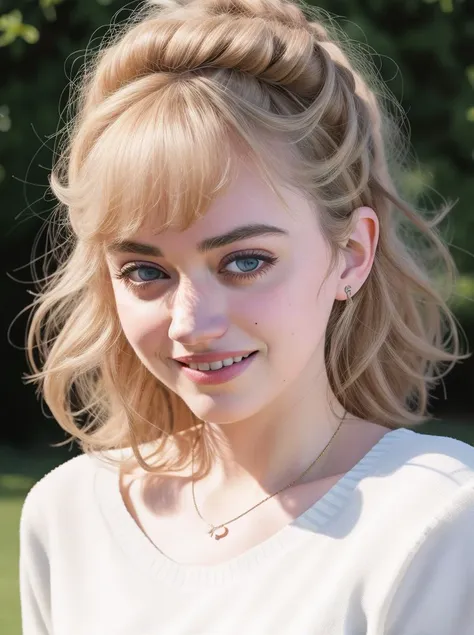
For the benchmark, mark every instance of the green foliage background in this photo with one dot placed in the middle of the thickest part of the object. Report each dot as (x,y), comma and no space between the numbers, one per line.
(424,50)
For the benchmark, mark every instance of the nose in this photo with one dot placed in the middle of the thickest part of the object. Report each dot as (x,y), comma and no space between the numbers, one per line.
(198,314)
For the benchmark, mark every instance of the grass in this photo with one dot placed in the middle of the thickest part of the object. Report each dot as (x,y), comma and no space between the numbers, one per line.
(9,600)
(20,470)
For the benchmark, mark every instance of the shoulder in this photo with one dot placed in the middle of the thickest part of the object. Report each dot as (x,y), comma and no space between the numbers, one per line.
(59,476)
(424,476)
(435,574)
(441,455)
(57,492)
(415,476)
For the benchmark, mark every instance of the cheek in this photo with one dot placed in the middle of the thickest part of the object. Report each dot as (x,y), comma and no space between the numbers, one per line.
(292,320)
(293,306)
(141,322)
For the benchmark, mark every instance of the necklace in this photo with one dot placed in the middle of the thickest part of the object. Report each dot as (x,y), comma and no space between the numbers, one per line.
(220,531)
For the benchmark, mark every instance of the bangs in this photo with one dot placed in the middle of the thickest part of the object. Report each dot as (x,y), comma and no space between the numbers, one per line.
(160,164)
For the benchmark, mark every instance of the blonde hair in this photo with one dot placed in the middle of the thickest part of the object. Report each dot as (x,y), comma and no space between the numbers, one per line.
(160,110)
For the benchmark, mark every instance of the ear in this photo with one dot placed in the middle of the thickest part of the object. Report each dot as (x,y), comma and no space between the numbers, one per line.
(359,251)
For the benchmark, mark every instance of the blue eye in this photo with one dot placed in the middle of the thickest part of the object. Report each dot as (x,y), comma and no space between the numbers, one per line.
(138,276)
(146,274)
(250,264)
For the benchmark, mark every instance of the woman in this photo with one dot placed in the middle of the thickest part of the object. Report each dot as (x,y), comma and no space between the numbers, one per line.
(240,340)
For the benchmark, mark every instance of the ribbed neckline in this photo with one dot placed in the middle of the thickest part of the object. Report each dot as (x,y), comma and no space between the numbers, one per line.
(139,548)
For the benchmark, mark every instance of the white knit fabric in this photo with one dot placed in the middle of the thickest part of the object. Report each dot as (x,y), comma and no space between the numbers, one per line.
(389,550)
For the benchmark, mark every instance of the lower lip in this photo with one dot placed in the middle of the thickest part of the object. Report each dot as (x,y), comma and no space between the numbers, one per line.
(224,374)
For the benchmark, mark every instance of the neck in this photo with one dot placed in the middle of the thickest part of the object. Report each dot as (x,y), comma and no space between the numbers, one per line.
(266,452)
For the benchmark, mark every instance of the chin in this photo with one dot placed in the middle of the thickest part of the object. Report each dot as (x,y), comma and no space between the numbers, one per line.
(222,409)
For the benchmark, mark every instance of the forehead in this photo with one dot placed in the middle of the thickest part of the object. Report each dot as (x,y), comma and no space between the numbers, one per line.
(247,201)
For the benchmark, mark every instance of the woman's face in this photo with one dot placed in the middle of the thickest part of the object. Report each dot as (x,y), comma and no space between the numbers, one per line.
(257,293)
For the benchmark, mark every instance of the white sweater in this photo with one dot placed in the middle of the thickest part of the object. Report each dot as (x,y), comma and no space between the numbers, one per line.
(389,550)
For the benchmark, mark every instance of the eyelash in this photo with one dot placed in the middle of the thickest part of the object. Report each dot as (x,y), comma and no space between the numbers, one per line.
(124,273)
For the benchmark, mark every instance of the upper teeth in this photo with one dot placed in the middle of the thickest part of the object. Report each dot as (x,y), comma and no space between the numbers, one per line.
(217,365)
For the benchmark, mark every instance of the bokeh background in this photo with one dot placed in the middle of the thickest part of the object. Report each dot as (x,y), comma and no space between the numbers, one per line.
(425,52)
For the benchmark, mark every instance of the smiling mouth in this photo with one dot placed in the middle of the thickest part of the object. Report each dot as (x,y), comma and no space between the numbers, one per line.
(213,366)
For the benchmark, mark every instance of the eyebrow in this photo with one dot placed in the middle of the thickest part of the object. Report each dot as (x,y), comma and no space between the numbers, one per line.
(239,233)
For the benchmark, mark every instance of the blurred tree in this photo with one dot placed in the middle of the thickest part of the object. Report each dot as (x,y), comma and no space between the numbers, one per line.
(11,26)
(423,49)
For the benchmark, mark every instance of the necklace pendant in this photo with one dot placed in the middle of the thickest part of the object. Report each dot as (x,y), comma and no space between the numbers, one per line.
(217,534)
